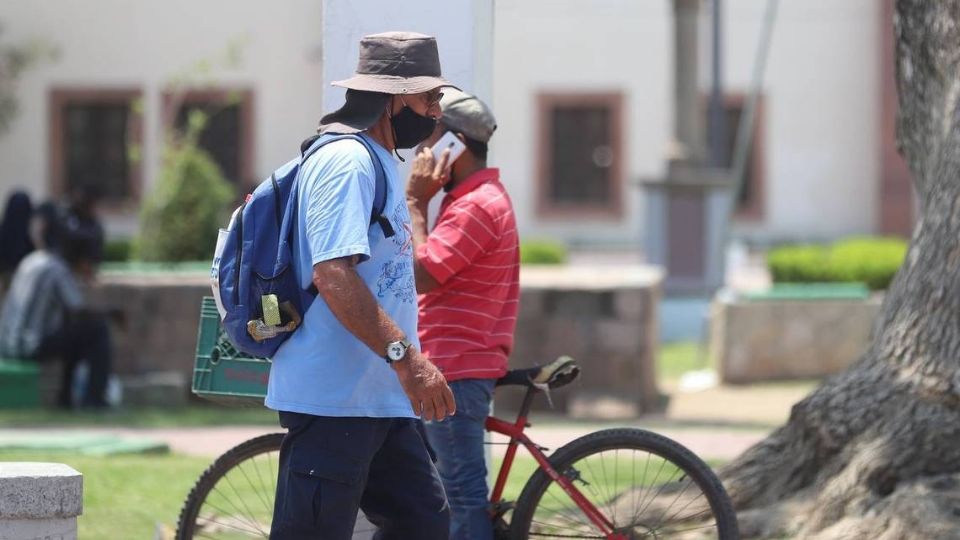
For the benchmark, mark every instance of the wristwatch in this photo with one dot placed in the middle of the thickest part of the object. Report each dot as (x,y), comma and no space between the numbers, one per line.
(396,350)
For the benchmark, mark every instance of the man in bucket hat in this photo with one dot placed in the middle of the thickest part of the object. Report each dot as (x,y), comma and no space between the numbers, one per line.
(467,271)
(351,384)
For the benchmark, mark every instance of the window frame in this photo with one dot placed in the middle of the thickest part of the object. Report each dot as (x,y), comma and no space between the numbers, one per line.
(755,209)
(546,207)
(173,99)
(62,96)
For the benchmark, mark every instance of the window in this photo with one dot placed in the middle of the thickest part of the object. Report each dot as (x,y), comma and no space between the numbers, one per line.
(750,200)
(580,155)
(228,135)
(95,138)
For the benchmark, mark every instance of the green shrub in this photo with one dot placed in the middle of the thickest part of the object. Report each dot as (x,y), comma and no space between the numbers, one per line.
(542,252)
(798,264)
(118,250)
(180,220)
(873,261)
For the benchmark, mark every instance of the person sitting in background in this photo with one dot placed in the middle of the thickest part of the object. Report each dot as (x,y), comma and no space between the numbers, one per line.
(78,213)
(45,316)
(14,235)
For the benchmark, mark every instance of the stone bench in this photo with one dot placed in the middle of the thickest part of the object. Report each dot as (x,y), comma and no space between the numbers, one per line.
(39,501)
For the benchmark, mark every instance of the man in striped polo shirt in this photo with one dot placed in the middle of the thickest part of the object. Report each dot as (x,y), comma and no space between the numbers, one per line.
(467,275)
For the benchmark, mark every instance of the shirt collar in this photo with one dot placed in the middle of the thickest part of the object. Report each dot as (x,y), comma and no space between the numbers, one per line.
(473,181)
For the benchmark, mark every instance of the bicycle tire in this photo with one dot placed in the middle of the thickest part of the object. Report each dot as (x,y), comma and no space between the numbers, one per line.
(625,439)
(187,523)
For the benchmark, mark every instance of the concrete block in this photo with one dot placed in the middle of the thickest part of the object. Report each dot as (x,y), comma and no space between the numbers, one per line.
(630,303)
(788,339)
(156,389)
(620,335)
(38,529)
(32,491)
(605,317)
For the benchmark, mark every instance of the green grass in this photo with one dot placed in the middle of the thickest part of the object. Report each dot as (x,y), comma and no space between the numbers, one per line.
(523,467)
(127,496)
(678,358)
(133,493)
(190,416)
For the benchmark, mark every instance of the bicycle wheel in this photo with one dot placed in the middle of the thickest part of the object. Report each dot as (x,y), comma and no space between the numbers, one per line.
(645,485)
(233,499)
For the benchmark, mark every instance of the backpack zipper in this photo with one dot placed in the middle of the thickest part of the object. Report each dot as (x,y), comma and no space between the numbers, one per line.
(236,288)
(276,199)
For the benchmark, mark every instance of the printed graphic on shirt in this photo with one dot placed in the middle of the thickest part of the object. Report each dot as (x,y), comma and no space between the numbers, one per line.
(396,276)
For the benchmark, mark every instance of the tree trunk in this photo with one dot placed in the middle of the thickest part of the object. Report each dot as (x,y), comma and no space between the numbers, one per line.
(874,453)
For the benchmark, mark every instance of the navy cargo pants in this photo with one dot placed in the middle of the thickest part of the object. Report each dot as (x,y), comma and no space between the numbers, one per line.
(332,466)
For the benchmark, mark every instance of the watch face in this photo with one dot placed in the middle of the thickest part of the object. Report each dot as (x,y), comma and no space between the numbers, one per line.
(395,351)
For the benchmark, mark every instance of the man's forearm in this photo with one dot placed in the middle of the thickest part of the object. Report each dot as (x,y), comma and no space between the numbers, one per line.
(418,226)
(354,306)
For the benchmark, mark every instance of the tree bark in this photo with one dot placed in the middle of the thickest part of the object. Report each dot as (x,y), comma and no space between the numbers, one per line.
(874,452)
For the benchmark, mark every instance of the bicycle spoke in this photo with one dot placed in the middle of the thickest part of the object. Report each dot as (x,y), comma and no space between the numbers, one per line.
(250,514)
(242,471)
(238,513)
(643,502)
(688,529)
(616,459)
(606,496)
(563,512)
(275,471)
(255,530)
(540,535)
(268,505)
(689,502)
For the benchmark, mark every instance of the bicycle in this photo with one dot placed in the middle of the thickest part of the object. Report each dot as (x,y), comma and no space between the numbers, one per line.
(576,492)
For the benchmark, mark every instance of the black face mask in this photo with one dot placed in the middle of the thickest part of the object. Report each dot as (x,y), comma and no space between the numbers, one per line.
(410,129)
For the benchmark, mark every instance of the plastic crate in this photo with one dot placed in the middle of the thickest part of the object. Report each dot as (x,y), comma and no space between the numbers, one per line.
(221,373)
(19,384)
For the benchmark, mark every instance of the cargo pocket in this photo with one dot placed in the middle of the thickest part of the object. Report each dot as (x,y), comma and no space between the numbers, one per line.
(323,491)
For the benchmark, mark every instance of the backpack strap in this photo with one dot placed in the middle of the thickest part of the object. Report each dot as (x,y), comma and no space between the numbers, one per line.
(316,142)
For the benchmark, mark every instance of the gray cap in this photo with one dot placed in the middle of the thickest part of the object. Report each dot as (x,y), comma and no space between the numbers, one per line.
(466,114)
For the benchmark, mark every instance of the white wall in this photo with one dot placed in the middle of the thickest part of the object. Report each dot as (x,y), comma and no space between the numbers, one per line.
(570,45)
(145,44)
(822,100)
(821,103)
(821,91)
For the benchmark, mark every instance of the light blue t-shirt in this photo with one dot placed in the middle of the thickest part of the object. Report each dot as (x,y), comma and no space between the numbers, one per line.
(323,369)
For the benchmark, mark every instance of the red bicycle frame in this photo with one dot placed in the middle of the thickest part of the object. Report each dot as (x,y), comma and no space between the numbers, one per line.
(517,437)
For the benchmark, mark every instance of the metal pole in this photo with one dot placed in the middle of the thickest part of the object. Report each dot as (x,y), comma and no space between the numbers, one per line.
(688,113)
(718,117)
(745,129)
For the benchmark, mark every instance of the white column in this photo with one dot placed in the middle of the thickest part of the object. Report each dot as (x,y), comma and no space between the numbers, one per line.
(463,28)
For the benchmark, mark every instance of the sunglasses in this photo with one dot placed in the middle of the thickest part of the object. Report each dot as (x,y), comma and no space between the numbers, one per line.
(434,97)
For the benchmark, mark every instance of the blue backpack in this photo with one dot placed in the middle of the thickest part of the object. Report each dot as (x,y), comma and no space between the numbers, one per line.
(254,282)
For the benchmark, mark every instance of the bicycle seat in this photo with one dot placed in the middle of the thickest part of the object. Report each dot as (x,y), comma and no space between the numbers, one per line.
(560,372)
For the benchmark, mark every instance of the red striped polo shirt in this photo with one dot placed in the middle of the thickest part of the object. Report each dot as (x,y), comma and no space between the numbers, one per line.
(466,324)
